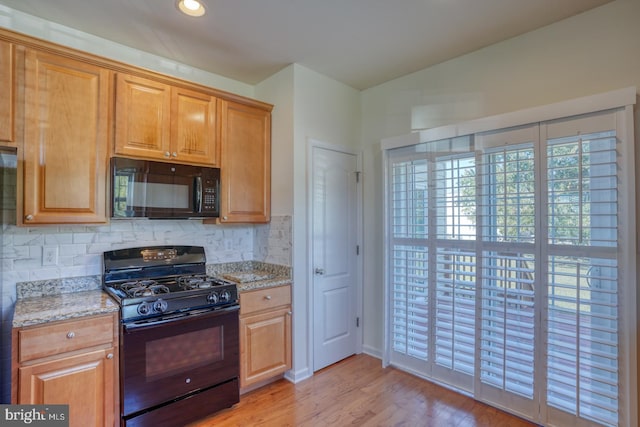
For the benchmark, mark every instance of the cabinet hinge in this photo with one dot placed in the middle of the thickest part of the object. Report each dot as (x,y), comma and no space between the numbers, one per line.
(357,322)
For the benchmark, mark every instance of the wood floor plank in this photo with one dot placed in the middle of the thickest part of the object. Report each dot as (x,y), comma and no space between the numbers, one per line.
(359,392)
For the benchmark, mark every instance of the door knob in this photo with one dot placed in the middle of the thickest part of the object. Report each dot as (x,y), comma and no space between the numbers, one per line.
(319,271)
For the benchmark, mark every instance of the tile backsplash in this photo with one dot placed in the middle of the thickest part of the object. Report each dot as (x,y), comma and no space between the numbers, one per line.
(41,253)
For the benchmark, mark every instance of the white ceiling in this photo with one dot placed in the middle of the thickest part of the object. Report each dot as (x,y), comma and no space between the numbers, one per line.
(361,43)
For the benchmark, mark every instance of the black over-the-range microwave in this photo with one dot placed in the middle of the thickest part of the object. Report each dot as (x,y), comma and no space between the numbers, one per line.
(147,189)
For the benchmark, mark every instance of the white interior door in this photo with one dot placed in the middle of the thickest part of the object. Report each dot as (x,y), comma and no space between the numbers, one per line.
(334,255)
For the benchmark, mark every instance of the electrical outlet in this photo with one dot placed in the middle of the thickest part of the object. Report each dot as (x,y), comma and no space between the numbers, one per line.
(50,256)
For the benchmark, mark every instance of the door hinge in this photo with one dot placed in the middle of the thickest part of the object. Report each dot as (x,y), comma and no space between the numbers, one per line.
(357,322)
(357,176)
(357,249)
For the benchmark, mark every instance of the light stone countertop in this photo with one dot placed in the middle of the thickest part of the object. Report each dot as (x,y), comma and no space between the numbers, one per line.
(69,298)
(262,284)
(50,308)
(252,275)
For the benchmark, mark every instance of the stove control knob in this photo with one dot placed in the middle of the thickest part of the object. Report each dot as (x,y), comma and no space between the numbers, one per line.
(225,296)
(144,308)
(213,298)
(160,306)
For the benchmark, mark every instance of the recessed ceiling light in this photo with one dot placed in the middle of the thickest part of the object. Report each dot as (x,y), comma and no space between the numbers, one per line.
(191,7)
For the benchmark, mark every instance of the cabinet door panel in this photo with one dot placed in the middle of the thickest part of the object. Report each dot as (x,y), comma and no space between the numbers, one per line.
(65,144)
(265,346)
(193,127)
(7,92)
(86,380)
(142,117)
(246,164)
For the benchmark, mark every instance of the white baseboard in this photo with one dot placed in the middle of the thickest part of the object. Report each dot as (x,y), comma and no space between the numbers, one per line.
(296,377)
(371,351)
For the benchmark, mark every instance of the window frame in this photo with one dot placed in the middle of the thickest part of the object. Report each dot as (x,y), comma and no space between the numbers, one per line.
(622,101)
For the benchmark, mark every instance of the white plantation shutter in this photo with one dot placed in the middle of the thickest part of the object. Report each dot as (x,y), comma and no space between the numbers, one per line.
(508,266)
(409,297)
(507,342)
(410,328)
(508,324)
(454,283)
(583,287)
(455,310)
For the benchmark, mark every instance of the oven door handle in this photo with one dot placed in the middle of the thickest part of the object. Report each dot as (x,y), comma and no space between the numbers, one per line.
(176,317)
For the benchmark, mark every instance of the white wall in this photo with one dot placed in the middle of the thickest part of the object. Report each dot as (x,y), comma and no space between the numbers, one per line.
(307,105)
(278,90)
(594,52)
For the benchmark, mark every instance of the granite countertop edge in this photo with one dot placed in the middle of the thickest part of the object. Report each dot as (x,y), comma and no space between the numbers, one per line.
(263,284)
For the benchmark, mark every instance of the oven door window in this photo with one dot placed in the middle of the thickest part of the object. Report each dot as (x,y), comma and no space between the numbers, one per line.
(169,360)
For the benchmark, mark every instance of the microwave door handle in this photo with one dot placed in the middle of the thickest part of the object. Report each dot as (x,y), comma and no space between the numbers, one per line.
(197,196)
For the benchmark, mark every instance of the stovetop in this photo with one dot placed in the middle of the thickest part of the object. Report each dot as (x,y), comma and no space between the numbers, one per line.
(155,281)
(138,288)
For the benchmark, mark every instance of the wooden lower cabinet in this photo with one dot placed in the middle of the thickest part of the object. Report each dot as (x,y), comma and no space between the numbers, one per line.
(73,363)
(84,381)
(265,335)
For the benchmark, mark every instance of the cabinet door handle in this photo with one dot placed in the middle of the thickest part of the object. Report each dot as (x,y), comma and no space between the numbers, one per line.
(71,334)
(167,154)
(267,297)
(28,217)
(289,313)
(110,356)
(174,154)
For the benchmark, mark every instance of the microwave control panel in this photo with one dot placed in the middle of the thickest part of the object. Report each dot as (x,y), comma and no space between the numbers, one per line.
(210,196)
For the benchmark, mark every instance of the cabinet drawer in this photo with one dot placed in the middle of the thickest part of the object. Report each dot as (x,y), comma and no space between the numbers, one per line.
(264,299)
(62,337)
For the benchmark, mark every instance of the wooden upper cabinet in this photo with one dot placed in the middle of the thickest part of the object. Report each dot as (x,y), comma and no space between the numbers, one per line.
(65,144)
(157,121)
(7,92)
(246,163)
(142,117)
(194,134)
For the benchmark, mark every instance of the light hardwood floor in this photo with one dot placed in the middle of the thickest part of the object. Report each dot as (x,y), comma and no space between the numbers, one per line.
(359,392)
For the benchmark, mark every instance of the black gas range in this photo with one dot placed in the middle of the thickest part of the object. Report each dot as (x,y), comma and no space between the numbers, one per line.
(179,340)
(157,281)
